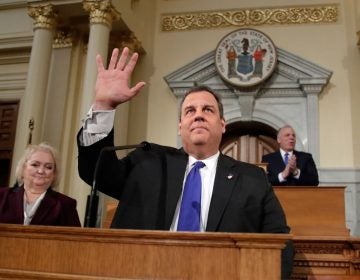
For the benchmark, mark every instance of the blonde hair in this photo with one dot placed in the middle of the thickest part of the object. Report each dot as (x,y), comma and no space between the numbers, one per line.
(30,150)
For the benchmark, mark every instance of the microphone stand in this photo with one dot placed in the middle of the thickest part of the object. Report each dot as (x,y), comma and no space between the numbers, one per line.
(92,201)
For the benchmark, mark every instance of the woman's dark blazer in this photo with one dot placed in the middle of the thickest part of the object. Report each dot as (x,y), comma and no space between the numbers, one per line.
(55,209)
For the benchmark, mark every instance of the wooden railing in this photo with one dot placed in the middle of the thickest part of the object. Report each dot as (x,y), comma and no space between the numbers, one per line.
(39,252)
(316,215)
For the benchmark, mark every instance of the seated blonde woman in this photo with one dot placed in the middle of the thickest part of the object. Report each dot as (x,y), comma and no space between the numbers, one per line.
(33,200)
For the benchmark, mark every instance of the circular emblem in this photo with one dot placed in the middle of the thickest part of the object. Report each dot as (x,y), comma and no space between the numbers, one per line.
(245,57)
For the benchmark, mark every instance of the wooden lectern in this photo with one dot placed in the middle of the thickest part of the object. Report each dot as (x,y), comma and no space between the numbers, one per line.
(324,248)
(40,252)
(314,211)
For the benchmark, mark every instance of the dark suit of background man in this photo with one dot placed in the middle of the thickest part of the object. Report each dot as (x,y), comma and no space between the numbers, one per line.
(236,196)
(300,169)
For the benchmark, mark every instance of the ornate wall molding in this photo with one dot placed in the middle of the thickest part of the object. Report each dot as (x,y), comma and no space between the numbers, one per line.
(101,11)
(63,38)
(128,39)
(250,17)
(44,16)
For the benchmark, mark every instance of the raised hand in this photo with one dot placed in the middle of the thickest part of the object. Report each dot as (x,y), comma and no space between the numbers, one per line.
(112,84)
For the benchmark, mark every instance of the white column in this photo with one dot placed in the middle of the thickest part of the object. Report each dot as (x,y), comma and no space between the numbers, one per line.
(101,15)
(32,103)
(312,92)
(35,91)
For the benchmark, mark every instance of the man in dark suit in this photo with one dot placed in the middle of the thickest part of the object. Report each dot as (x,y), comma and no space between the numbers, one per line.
(235,196)
(288,167)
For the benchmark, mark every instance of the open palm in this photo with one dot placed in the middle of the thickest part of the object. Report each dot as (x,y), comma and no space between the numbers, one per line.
(112,84)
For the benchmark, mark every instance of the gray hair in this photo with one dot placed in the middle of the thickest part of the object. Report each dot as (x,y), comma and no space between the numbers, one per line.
(281,128)
(29,151)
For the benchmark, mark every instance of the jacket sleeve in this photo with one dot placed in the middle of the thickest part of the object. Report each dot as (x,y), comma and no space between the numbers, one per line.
(309,175)
(110,174)
(69,215)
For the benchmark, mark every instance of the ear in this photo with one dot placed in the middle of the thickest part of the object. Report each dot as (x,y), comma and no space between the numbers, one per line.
(223,126)
(179,128)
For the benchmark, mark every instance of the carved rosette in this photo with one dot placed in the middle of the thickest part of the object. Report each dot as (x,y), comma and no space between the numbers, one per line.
(101,11)
(250,17)
(44,16)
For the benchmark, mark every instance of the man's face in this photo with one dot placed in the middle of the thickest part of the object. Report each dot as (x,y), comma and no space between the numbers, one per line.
(287,139)
(200,126)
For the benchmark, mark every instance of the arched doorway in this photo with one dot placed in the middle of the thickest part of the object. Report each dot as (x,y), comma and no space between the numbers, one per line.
(8,120)
(248,141)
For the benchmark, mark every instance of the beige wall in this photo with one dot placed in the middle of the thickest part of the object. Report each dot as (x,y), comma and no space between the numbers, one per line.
(353,66)
(330,45)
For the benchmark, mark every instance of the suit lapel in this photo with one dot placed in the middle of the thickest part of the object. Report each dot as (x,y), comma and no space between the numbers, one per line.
(174,181)
(280,160)
(45,208)
(225,180)
(299,159)
(17,202)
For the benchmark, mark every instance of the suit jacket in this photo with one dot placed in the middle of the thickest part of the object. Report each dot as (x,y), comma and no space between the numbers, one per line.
(308,172)
(149,185)
(55,209)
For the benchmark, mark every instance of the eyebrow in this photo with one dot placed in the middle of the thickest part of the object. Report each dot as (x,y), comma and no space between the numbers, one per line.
(202,106)
(37,161)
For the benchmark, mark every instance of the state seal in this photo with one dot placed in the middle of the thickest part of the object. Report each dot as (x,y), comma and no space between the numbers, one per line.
(245,57)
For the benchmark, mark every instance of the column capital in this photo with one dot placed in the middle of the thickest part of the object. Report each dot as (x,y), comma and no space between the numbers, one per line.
(128,39)
(64,38)
(101,11)
(314,89)
(44,16)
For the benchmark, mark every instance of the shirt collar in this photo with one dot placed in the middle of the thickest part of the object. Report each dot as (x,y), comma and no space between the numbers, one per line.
(210,162)
(283,152)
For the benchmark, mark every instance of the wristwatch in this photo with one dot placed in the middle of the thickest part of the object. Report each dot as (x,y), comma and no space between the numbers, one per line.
(296,172)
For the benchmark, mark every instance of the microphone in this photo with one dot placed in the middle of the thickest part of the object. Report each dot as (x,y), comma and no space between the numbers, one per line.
(93,198)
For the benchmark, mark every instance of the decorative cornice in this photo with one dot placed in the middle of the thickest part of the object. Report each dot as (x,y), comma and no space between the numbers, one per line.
(12,4)
(44,16)
(101,11)
(128,39)
(249,17)
(63,39)
(312,89)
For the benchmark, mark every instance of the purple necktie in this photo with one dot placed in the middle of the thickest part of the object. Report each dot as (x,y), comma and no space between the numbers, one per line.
(286,158)
(190,209)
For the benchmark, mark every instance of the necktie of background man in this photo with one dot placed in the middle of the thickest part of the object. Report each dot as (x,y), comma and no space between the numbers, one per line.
(286,158)
(190,209)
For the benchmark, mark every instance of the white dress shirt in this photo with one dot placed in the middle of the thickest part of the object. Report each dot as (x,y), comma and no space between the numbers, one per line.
(207,174)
